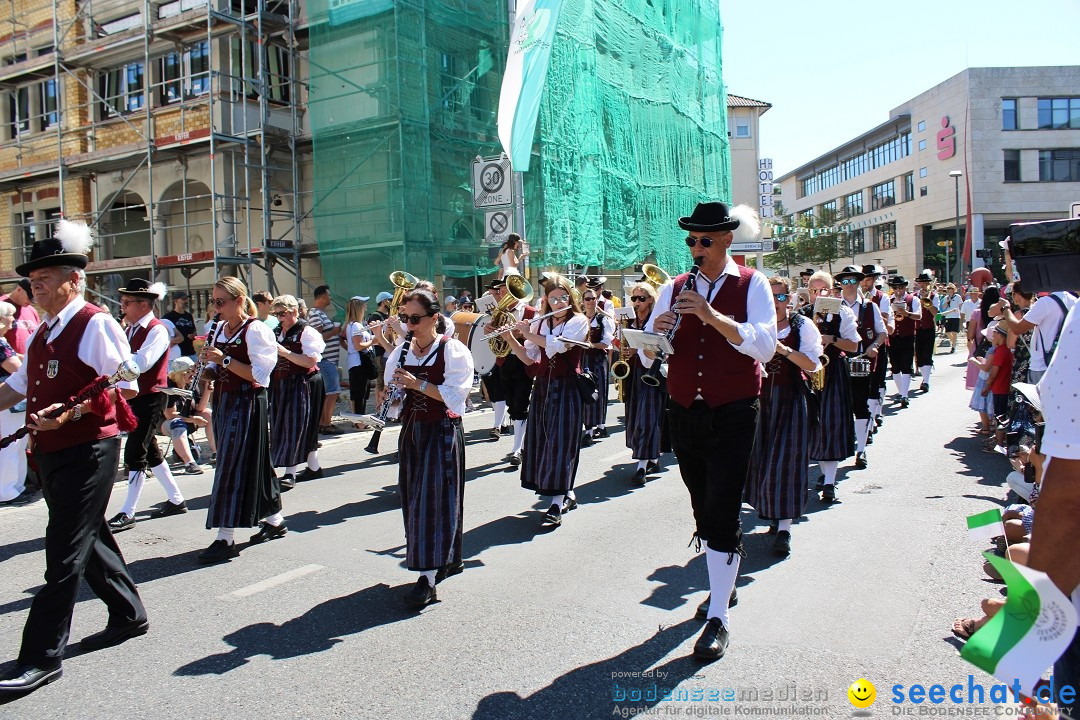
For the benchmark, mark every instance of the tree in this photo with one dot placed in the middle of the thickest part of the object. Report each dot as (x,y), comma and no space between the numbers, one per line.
(825,245)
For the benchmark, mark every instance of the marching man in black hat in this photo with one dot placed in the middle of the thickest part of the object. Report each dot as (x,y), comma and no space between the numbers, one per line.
(871,273)
(872,334)
(149,341)
(76,455)
(723,330)
(908,310)
(926,328)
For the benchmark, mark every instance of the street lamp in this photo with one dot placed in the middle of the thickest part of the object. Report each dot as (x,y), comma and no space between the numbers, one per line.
(955,175)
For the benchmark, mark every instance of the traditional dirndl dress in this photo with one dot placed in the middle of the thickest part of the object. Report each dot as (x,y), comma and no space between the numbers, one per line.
(292,404)
(431,470)
(596,362)
(776,485)
(834,435)
(644,413)
(245,490)
(553,434)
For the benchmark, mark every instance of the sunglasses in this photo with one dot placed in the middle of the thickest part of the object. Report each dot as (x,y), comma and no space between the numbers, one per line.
(218,302)
(589,299)
(561,300)
(639,298)
(813,291)
(691,241)
(281,313)
(412,319)
(781,297)
(849,281)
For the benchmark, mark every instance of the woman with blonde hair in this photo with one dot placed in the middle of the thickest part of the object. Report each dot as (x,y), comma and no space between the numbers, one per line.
(644,403)
(553,348)
(13,457)
(241,355)
(361,357)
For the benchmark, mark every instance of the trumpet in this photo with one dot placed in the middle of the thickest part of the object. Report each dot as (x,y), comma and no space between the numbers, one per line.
(517,290)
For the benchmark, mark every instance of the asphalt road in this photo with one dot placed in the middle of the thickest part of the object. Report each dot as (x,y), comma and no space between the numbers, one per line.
(542,624)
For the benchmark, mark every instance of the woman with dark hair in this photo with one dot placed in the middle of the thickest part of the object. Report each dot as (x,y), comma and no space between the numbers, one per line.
(553,347)
(510,256)
(595,360)
(296,395)
(241,355)
(977,343)
(436,375)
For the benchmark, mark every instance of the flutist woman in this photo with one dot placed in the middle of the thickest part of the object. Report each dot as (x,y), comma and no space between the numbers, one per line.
(645,403)
(436,374)
(595,359)
(241,354)
(553,434)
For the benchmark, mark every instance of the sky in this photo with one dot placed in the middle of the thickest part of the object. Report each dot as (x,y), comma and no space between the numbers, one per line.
(833,69)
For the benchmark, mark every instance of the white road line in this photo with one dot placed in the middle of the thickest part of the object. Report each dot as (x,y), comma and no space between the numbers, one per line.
(271,582)
(616,456)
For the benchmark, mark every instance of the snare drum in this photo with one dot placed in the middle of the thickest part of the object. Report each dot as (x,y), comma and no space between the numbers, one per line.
(469,329)
(859,366)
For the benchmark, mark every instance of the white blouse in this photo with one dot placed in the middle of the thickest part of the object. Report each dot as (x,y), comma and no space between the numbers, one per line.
(576,328)
(608,335)
(809,341)
(261,346)
(457,383)
(312,343)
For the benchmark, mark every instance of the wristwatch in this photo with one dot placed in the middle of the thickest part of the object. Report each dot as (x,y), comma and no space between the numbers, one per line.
(423,386)
(225,362)
(76,413)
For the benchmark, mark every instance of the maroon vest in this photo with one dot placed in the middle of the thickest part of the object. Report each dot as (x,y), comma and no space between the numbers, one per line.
(291,342)
(54,373)
(781,370)
(906,327)
(418,406)
(928,321)
(704,362)
(864,323)
(238,351)
(560,365)
(157,375)
(875,297)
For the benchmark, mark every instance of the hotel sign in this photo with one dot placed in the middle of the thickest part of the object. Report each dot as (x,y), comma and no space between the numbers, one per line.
(765,188)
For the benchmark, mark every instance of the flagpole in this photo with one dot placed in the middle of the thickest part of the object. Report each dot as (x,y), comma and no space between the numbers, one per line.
(516,178)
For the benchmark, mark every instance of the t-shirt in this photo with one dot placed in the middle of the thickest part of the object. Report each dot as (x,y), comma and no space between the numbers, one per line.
(1047,317)
(1058,390)
(968,309)
(377,317)
(1003,361)
(355,329)
(23,325)
(185,325)
(321,321)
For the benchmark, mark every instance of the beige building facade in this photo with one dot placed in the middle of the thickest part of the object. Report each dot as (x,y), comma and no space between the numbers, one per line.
(1012,134)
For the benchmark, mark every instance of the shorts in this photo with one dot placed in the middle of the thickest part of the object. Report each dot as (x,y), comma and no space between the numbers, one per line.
(331,379)
(952,324)
(1001,404)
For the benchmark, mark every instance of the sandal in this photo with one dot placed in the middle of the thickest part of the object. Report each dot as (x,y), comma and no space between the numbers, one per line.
(966,628)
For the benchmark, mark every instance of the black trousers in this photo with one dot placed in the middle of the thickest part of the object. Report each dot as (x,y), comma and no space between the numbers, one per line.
(494,385)
(517,388)
(901,354)
(714,447)
(76,483)
(877,383)
(141,451)
(359,389)
(860,395)
(924,346)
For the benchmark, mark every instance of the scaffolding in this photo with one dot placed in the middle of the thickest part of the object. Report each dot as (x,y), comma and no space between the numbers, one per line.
(173,127)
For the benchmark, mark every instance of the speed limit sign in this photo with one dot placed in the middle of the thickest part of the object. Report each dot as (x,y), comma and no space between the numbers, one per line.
(492,182)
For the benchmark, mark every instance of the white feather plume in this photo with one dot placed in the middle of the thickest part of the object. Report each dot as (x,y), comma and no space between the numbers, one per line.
(749,228)
(159,288)
(74,236)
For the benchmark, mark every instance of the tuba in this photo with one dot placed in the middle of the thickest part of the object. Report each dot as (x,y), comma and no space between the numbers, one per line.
(403,282)
(517,291)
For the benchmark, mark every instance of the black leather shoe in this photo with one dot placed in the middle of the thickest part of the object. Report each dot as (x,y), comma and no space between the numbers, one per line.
(114,635)
(507,429)
(820,484)
(782,544)
(828,494)
(651,468)
(553,516)
(586,439)
(860,461)
(569,504)
(869,438)
(495,433)
(454,568)
(600,433)
(268,532)
(515,458)
(170,508)
(219,551)
(24,678)
(903,402)
(713,642)
(421,595)
(773,527)
(121,522)
(925,387)
(878,421)
(638,477)
(309,474)
(288,482)
(703,609)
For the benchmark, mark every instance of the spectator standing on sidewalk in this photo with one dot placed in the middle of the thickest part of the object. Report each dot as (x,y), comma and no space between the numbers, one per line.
(319,319)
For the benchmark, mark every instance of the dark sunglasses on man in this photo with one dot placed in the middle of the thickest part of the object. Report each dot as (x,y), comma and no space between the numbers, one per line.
(705,241)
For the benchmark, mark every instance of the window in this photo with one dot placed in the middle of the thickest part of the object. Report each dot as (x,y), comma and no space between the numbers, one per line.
(1059,113)
(50,104)
(742,127)
(877,156)
(853,204)
(922,125)
(885,236)
(828,208)
(276,65)
(185,74)
(922,144)
(922,172)
(1012,166)
(807,214)
(23,226)
(909,187)
(19,111)
(858,241)
(1059,165)
(922,191)
(1008,114)
(883,195)
(121,90)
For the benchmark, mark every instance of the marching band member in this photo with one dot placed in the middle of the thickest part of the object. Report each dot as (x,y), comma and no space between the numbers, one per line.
(908,310)
(553,435)
(492,381)
(645,403)
(149,341)
(833,438)
(872,335)
(296,395)
(776,486)
(727,330)
(876,296)
(926,328)
(595,360)
(517,382)
(241,354)
(437,376)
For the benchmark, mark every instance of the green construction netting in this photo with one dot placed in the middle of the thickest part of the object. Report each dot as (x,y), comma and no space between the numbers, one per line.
(404,95)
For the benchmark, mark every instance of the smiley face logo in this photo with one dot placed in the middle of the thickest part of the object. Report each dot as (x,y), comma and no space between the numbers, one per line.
(862,693)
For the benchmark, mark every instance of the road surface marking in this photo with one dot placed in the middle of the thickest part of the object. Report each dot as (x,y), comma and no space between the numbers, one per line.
(272,582)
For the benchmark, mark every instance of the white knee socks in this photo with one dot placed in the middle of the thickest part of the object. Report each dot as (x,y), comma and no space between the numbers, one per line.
(276,520)
(519,434)
(136,479)
(500,413)
(293,469)
(641,464)
(165,477)
(430,576)
(925,370)
(783,525)
(903,384)
(862,427)
(313,460)
(557,500)
(828,468)
(875,408)
(226,534)
(723,571)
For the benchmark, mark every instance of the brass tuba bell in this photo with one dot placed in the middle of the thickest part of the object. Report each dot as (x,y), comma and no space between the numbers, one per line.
(517,291)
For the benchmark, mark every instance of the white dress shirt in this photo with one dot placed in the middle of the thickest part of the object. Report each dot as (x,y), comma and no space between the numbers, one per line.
(758,332)
(458,371)
(154,346)
(261,346)
(608,334)
(576,328)
(103,346)
(809,340)
(879,324)
(312,343)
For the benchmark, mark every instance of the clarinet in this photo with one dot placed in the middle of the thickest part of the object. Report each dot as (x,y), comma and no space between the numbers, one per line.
(379,420)
(211,334)
(652,376)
